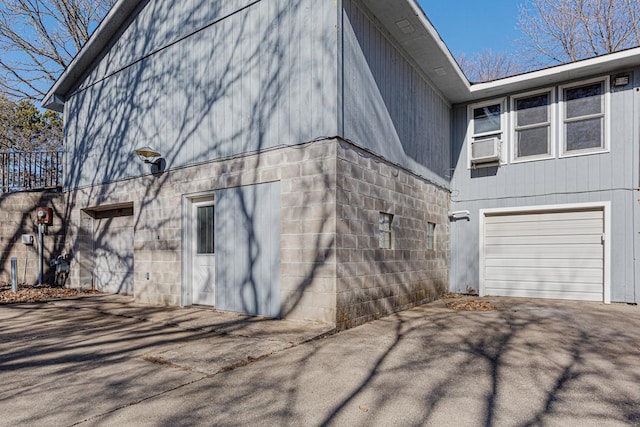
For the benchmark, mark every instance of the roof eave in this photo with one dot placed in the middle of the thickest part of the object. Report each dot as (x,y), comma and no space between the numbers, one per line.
(605,64)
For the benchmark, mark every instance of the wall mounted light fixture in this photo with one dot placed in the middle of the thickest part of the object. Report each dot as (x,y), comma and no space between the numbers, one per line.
(149,155)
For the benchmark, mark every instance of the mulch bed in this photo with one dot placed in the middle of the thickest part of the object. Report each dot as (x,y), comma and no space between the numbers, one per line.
(30,294)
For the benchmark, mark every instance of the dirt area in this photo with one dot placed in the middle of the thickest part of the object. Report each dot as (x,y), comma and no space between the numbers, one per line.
(29,294)
(467,302)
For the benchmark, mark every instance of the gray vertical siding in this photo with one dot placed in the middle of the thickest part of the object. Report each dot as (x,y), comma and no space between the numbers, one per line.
(247,247)
(389,107)
(200,80)
(609,176)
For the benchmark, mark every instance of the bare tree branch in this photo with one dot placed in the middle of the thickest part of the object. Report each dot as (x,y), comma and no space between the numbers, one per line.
(561,31)
(39,38)
(488,65)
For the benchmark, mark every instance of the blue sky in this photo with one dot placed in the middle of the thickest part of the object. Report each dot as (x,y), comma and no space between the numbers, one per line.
(470,26)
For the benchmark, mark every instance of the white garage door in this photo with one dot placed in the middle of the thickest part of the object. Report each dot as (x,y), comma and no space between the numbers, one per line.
(544,255)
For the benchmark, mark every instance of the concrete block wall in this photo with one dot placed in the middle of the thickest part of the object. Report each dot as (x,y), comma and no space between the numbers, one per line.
(332,193)
(374,282)
(18,217)
(308,264)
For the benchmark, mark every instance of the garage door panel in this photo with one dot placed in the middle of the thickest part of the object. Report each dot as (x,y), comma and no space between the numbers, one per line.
(580,295)
(542,252)
(555,274)
(546,262)
(575,287)
(545,254)
(547,216)
(544,229)
(557,239)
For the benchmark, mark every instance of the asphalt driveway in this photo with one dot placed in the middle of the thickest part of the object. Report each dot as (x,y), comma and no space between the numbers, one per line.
(105,361)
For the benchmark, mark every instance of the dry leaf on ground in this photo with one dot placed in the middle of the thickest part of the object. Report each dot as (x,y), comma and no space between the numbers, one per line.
(29,294)
(451,295)
(471,305)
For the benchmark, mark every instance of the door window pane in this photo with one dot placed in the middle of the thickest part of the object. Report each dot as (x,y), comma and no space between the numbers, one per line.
(204,234)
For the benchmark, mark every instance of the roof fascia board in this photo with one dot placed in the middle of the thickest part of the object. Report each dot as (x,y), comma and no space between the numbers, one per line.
(422,16)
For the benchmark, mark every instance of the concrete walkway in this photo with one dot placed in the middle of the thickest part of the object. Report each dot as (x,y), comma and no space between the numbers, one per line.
(105,361)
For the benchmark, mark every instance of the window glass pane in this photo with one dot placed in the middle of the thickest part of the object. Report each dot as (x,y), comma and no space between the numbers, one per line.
(583,100)
(385,240)
(486,119)
(532,110)
(385,221)
(431,236)
(584,134)
(204,237)
(533,142)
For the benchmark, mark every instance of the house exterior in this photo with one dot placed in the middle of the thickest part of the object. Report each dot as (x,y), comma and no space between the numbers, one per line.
(556,214)
(313,153)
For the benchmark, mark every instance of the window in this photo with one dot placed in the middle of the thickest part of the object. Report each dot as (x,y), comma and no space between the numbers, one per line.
(487,120)
(205,231)
(386,239)
(532,126)
(584,115)
(431,236)
(486,129)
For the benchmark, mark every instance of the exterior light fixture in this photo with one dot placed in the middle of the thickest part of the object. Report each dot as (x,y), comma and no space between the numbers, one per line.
(149,155)
(621,81)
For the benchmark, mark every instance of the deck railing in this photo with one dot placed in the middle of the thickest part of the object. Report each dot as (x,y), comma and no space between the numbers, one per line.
(20,171)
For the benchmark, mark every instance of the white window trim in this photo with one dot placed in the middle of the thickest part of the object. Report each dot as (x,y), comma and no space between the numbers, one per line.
(607,118)
(552,126)
(501,135)
(606,208)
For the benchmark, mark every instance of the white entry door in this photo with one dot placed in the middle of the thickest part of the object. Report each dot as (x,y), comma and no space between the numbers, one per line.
(203,270)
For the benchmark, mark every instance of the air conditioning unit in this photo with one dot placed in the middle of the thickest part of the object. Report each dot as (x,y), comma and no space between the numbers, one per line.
(485,150)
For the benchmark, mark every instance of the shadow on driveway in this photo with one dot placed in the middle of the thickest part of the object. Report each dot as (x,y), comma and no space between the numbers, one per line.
(531,362)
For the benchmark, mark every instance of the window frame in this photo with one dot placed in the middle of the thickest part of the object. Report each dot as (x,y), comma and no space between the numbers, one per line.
(382,232)
(552,124)
(472,136)
(606,115)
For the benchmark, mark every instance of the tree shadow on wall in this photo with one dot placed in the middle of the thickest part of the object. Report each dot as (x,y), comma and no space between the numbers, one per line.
(227,81)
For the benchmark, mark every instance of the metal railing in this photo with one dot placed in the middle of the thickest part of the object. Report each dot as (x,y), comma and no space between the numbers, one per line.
(20,171)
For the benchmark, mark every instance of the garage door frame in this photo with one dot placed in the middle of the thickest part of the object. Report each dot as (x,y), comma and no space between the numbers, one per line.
(604,206)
